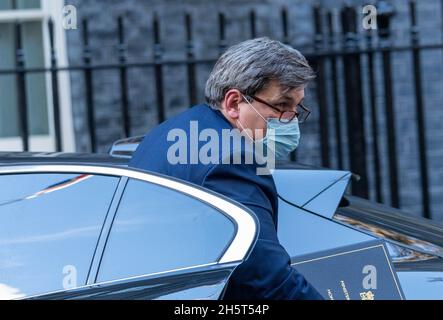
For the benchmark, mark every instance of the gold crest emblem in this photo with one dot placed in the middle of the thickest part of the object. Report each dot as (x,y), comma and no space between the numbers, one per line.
(367,295)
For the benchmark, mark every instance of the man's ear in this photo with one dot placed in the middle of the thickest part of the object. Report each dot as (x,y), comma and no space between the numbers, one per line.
(231,103)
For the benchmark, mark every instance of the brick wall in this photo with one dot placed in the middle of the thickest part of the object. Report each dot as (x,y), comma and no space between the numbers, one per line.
(139,14)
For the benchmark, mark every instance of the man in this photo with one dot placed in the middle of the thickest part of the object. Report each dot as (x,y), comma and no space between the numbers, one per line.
(256,87)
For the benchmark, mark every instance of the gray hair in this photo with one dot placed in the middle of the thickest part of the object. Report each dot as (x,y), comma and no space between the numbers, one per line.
(250,66)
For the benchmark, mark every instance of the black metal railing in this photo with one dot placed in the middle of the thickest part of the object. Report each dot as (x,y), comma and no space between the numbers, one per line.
(334,54)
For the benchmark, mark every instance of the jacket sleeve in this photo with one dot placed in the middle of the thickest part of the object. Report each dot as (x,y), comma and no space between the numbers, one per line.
(267,273)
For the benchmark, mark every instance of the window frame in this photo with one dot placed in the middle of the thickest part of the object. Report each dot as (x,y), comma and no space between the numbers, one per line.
(50,9)
(245,221)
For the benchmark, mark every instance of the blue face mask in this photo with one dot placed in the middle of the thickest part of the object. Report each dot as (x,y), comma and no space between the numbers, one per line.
(281,138)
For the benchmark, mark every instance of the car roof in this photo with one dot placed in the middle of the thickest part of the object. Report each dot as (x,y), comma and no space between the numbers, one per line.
(8,158)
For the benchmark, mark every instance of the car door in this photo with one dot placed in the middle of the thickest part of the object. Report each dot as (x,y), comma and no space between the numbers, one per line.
(161,239)
(166,244)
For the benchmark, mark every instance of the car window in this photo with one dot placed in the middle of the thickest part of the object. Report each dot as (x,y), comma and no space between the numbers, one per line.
(49,227)
(157,229)
(299,230)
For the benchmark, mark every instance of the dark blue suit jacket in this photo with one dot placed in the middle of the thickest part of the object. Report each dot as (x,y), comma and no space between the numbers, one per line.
(267,273)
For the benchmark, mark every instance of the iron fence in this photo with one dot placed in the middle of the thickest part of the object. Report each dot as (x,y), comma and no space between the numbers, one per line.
(324,55)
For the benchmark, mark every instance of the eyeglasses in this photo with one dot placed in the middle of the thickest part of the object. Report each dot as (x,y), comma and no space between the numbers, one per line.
(301,112)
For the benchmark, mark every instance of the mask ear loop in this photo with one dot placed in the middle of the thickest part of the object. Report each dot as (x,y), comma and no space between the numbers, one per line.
(245,131)
(254,109)
(266,121)
(241,125)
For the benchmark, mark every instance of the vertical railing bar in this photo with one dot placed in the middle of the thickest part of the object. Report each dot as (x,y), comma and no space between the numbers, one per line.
(419,104)
(122,51)
(335,95)
(89,86)
(441,17)
(190,61)
(158,51)
(285,25)
(285,32)
(21,88)
(354,102)
(55,90)
(321,90)
(221,32)
(252,23)
(374,122)
(390,120)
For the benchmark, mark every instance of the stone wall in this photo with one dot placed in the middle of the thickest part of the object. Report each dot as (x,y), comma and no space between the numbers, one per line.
(138,14)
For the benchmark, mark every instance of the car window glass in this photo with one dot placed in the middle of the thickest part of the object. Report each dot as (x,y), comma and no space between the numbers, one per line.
(49,227)
(157,229)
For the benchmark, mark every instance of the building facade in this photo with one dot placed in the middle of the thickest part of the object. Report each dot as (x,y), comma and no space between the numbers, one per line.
(172,44)
(34,15)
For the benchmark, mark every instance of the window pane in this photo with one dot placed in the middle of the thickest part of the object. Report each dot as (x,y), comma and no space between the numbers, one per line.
(19,4)
(8,94)
(49,227)
(157,229)
(28,4)
(5,4)
(35,82)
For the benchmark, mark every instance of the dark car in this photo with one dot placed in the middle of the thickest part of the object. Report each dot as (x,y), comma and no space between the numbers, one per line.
(87,227)
(75,226)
